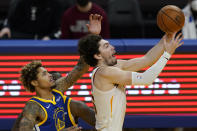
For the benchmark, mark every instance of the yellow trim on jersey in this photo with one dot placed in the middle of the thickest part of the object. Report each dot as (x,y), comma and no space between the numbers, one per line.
(111,102)
(69,113)
(46,115)
(44,100)
(57,91)
(64,97)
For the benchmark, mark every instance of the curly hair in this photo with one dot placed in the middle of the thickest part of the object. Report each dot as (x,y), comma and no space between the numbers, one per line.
(28,73)
(88,46)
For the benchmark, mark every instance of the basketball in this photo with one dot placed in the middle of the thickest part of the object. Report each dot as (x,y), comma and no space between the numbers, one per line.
(170,19)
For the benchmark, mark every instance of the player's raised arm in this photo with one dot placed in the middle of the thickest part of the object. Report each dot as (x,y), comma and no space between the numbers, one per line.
(169,25)
(64,83)
(149,58)
(117,76)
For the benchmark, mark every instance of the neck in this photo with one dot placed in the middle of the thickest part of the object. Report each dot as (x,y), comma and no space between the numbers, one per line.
(86,8)
(44,93)
(100,63)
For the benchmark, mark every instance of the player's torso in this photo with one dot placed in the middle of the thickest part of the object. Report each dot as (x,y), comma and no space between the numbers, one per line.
(54,113)
(110,107)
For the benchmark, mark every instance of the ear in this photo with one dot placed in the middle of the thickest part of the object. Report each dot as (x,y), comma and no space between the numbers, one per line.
(97,56)
(34,83)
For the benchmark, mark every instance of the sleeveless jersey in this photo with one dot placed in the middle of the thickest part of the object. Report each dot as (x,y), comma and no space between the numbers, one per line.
(57,112)
(110,107)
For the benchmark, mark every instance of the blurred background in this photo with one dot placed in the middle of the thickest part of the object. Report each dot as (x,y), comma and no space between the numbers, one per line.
(170,104)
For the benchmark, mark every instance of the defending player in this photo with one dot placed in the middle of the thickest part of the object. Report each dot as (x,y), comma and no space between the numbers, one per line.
(45,111)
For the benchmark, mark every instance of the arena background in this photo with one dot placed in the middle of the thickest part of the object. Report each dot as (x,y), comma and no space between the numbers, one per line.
(170,102)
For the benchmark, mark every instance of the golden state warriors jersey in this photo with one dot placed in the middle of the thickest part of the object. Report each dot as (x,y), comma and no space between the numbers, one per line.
(56,112)
(110,107)
(69,119)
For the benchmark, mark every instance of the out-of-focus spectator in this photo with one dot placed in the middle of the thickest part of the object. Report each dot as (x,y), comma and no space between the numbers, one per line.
(33,19)
(190,28)
(74,20)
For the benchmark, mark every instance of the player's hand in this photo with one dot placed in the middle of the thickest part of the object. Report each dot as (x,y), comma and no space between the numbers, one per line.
(94,27)
(5,31)
(174,43)
(72,128)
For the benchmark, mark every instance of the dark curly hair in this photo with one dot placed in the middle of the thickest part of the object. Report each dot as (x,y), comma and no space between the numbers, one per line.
(28,73)
(88,46)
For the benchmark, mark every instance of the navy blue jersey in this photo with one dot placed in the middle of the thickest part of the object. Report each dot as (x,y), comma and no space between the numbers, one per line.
(55,112)
(69,120)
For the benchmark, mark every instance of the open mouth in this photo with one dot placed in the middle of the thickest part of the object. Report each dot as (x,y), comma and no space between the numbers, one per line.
(113,55)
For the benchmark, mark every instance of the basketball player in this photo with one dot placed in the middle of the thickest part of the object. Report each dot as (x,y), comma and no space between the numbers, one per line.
(74,110)
(46,110)
(111,75)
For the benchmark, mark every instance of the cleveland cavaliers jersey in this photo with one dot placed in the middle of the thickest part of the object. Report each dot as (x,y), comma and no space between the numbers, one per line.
(110,107)
(57,112)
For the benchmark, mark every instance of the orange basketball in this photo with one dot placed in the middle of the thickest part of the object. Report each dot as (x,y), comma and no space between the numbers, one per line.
(170,19)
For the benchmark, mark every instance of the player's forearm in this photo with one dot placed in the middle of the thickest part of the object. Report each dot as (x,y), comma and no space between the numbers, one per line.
(148,77)
(65,82)
(155,53)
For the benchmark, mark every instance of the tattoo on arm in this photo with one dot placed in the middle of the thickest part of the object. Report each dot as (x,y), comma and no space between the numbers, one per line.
(17,122)
(28,119)
(65,82)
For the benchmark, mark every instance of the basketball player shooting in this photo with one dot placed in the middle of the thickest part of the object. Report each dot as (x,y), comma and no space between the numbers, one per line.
(111,75)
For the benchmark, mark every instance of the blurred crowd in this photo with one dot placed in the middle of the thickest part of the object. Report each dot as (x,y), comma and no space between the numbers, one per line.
(67,19)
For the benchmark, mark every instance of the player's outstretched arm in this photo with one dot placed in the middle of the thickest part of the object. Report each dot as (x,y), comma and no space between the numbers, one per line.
(30,113)
(118,76)
(80,109)
(149,58)
(64,83)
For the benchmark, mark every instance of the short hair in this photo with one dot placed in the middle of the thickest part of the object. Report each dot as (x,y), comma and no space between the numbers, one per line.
(88,46)
(28,73)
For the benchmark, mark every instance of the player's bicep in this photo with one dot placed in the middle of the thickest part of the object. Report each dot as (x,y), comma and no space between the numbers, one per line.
(28,120)
(116,75)
(135,64)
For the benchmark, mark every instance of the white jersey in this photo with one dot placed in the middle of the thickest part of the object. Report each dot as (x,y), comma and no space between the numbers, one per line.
(110,107)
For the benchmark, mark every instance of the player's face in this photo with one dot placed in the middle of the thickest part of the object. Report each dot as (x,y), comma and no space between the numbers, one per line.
(45,80)
(107,51)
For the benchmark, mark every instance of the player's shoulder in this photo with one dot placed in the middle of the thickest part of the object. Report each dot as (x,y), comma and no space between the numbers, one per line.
(107,70)
(31,105)
(34,109)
